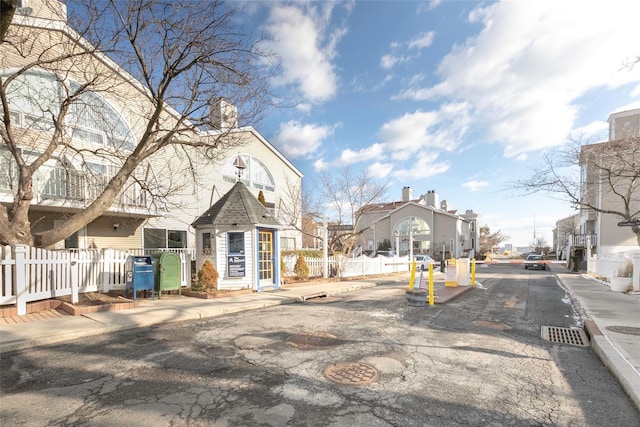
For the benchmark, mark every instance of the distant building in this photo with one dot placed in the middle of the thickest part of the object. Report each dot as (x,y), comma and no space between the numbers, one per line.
(422,225)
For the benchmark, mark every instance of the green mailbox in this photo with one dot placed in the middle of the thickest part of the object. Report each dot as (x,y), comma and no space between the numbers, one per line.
(167,266)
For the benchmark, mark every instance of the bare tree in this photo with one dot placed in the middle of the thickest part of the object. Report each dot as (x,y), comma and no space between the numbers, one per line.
(602,177)
(347,196)
(489,241)
(164,64)
(299,210)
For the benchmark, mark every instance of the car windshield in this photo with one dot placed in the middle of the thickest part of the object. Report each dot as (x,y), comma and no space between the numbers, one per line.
(535,257)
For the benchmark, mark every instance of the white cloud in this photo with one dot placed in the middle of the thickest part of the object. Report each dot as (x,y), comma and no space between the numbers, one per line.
(389,61)
(299,140)
(320,165)
(598,130)
(474,185)
(425,166)
(379,170)
(420,136)
(526,70)
(349,156)
(421,41)
(425,131)
(297,35)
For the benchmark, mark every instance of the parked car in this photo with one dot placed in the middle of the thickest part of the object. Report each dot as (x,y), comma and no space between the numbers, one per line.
(535,261)
(423,261)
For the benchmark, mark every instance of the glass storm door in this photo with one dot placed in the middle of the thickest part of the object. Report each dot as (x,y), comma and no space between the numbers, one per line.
(265,257)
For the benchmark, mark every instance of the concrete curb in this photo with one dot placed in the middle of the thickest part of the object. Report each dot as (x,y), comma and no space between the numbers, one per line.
(620,367)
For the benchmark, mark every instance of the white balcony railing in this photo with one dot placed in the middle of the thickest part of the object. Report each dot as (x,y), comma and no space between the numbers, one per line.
(56,183)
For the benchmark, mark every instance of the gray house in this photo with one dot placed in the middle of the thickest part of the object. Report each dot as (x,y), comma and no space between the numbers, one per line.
(240,238)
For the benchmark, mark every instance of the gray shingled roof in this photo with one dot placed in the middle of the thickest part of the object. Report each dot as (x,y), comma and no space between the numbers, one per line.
(238,206)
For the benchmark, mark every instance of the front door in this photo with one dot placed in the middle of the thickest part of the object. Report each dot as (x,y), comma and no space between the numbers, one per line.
(265,258)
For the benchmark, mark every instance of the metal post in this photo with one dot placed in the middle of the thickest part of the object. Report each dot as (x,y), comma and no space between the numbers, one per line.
(325,253)
(473,272)
(636,272)
(410,245)
(431,293)
(588,248)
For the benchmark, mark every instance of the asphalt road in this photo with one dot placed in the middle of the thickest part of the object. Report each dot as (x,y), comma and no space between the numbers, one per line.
(364,359)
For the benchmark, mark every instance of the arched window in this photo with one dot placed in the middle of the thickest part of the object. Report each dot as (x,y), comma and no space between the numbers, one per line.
(420,235)
(256,175)
(34,95)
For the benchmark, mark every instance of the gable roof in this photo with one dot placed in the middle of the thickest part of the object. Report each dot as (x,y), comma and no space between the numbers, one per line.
(237,206)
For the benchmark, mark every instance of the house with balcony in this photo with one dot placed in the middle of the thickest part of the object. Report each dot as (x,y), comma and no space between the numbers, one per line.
(423,225)
(610,188)
(166,192)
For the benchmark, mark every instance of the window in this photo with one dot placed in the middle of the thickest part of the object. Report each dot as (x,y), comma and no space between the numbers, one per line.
(256,175)
(160,238)
(206,243)
(235,243)
(176,239)
(34,96)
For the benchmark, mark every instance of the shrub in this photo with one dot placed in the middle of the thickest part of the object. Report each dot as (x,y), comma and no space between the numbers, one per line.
(207,277)
(307,253)
(301,269)
(625,269)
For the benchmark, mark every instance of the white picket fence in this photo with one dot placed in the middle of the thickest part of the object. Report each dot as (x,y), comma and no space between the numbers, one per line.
(31,274)
(606,266)
(342,266)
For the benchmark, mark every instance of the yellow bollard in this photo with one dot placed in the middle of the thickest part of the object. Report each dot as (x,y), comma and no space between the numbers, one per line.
(473,272)
(431,296)
(413,276)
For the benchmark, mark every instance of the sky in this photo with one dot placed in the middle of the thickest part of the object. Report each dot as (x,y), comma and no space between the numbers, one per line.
(460,97)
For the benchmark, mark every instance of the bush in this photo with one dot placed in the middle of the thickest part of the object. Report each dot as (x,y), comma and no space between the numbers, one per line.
(307,253)
(207,278)
(301,269)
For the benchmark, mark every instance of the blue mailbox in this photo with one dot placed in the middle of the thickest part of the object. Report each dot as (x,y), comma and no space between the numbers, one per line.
(139,275)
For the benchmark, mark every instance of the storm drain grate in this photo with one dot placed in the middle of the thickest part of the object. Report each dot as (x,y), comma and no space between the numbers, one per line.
(573,336)
(351,373)
(312,340)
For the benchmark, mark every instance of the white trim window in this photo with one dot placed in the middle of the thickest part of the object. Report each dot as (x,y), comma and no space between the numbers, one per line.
(256,175)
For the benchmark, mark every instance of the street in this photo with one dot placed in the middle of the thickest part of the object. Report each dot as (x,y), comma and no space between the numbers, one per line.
(365,358)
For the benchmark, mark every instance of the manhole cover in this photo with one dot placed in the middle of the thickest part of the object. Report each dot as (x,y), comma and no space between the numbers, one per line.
(629,330)
(573,336)
(491,325)
(317,339)
(351,373)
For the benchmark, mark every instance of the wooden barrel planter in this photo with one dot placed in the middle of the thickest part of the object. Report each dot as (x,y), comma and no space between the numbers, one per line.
(416,298)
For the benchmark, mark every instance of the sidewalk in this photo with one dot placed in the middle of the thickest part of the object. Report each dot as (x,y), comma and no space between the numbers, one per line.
(612,319)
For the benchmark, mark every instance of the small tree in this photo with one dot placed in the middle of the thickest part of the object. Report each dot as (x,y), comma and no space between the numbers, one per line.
(385,245)
(207,277)
(489,240)
(301,269)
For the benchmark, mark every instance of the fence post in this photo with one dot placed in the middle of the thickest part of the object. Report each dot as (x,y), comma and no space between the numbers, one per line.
(107,268)
(74,280)
(636,271)
(20,285)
